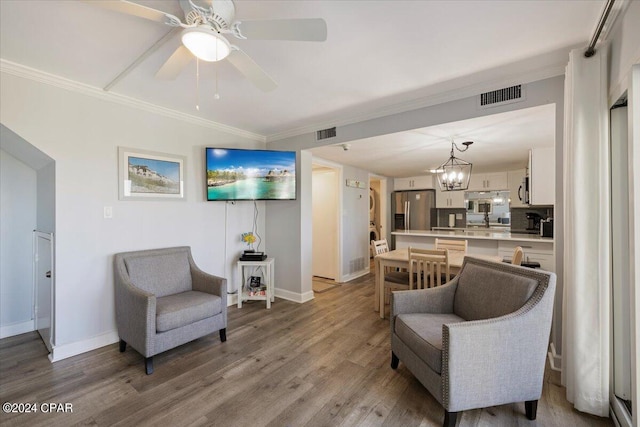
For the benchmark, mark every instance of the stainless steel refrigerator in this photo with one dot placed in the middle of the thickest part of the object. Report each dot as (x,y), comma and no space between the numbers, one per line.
(413,210)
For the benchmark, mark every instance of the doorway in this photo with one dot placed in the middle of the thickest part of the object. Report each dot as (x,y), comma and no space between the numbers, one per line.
(378,208)
(326,224)
(43,286)
(27,189)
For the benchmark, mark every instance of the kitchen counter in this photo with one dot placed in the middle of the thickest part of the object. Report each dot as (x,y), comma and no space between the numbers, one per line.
(463,233)
(500,228)
(484,242)
(491,224)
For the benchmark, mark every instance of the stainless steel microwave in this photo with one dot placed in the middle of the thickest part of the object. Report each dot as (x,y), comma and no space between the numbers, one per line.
(523,191)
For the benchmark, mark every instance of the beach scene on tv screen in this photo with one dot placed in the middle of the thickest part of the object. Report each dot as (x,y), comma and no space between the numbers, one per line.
(250,174)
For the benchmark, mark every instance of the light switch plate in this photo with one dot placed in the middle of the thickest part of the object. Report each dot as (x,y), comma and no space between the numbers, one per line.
(108,212)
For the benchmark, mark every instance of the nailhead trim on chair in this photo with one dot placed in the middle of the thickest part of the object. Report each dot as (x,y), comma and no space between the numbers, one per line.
(445,368)
(543,283)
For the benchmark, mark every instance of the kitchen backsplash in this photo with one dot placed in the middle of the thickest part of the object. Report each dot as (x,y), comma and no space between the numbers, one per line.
(519,221)
(443,217)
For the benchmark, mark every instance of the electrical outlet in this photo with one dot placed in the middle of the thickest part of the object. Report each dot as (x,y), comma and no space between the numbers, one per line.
(108,212)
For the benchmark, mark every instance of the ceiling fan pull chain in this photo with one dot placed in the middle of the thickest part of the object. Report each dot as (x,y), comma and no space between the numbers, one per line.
(197,84)
(217,94)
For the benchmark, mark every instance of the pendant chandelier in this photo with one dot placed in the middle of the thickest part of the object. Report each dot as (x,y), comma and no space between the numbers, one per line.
(454,174)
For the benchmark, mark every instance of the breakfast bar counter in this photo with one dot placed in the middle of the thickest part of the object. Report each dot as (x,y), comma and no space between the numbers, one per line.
(464,233)
(485,242)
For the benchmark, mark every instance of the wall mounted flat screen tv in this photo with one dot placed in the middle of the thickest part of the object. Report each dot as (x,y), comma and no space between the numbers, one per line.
(240,174)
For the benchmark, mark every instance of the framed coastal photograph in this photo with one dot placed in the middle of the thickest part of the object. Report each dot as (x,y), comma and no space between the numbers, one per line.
(147,175)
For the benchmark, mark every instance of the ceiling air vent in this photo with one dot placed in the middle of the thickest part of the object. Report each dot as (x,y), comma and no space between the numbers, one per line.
(503,96)
(325,133)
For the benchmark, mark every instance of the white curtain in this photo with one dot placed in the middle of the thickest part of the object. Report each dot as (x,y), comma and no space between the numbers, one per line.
(586,320)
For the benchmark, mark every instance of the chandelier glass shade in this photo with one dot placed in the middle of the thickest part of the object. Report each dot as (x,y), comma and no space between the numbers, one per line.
(455,173)
(205,43)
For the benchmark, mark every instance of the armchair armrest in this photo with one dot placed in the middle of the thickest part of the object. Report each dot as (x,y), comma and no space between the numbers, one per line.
(432,300)
(494,361)
(205,282)
(136,316)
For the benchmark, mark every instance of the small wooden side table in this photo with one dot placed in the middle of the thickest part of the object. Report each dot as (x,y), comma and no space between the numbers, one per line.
(244,293)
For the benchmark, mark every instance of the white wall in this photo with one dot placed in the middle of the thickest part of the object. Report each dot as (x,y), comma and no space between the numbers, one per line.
(624,49)
(18,191)
(355,224)
(285,231)
(46,211)
(81,132)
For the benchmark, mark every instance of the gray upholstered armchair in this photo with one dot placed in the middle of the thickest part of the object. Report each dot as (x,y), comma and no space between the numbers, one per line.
(164,300)
(478,341)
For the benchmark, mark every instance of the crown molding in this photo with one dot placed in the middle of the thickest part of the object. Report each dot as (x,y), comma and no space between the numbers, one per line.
(466,91)
(33,74)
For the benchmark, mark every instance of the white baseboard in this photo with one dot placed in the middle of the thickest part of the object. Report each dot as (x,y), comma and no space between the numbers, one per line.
(349,277)
(294,296)
(17,329)
(64,351)
(555,359)
(232,299)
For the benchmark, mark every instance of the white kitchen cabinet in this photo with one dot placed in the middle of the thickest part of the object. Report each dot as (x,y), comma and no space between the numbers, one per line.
(496,181)
(542,174)
(541,252)
(488,181)
(514,181)
(449,199)
(413,183)
(547,261)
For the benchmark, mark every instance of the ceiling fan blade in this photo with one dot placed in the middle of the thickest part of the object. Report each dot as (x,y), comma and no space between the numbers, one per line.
(312,30)
(252,71)
(175,64)
(134,9)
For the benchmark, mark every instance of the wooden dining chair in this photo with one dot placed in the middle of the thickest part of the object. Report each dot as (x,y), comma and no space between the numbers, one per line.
(379,246)
(452,245)
(428,268)
(393,280)
(518,255)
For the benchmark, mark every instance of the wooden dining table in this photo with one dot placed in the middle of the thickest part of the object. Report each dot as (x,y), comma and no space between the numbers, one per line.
(399,258)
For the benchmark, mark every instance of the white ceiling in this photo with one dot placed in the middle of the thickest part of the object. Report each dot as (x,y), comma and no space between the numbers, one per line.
(378,54)
(500,142)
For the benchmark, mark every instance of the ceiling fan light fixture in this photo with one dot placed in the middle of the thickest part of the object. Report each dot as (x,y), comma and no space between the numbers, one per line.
(205,43)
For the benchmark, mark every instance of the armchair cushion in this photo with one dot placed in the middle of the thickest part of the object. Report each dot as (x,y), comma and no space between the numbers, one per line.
(162,274)
(423,333)
(485,292)
(185,308)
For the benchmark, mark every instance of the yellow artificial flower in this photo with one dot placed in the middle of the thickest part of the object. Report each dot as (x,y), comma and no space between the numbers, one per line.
(248,238)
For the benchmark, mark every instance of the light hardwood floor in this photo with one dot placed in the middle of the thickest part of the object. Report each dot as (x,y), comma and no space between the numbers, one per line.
(323,363)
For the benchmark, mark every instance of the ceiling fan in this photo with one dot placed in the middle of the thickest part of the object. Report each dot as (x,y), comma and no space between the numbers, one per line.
(206,22)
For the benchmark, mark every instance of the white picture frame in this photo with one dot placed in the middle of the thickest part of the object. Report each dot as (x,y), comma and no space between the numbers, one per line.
(150,175)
